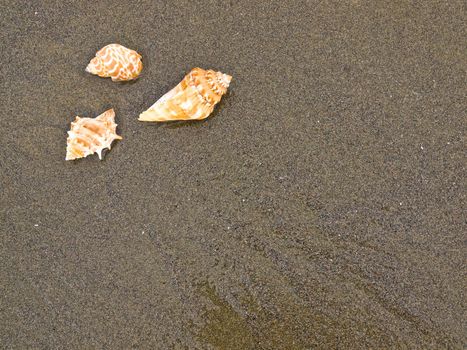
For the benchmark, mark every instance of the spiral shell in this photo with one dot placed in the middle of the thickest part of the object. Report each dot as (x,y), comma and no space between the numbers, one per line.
(91,135)
(117,62)
(193,98)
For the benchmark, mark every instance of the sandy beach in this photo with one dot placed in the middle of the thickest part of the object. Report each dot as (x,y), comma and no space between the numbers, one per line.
(321,206)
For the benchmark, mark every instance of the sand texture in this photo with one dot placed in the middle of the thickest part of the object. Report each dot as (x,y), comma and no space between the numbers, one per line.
(322,205)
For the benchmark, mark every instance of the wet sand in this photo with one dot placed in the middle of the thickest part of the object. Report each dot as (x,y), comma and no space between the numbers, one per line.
(321,206)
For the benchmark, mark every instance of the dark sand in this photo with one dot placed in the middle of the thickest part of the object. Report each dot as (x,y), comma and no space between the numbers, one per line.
(321,206)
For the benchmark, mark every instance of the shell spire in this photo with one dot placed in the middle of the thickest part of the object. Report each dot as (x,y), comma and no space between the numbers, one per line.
(193,98)
(117,62)
(91,135)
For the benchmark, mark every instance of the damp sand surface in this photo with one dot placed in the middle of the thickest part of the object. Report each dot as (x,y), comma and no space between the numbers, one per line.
(321,206)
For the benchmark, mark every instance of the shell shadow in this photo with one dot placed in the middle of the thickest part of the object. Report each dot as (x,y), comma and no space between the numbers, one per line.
(117,83)
(128,82)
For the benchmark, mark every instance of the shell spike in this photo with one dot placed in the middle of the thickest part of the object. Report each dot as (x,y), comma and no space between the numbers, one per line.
(225,79)
(108,115)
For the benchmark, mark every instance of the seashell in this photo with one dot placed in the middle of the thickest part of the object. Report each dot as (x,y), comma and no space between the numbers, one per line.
(117,62)
(91,135)
(193,98)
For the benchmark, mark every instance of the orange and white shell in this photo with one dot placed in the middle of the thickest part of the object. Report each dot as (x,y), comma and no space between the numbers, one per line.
(91,135)
(117,62)
(193,98)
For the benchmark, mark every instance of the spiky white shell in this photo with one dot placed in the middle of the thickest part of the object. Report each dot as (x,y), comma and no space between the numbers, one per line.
(193,98)
(91,135)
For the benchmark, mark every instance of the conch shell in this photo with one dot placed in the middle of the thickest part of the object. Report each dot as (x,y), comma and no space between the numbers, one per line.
(91,135)
(193,98)
(117,62)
